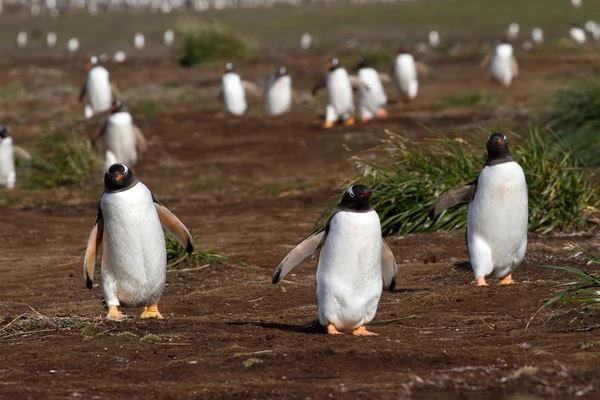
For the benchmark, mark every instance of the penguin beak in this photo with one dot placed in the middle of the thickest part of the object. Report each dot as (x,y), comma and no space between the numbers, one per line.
(88,66)
(367,194)
(500,141)
(119,177)
(329,65)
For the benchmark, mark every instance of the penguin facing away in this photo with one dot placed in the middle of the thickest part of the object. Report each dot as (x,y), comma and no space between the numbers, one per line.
(8,152)
(371,99)
(97,88)
(354,262)
(278,96)
(123,139)
(233,90)
(133,256)
(498,214)
(405,72)
(502,64)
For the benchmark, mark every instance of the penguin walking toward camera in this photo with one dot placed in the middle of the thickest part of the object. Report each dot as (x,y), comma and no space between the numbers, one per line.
(128,229)
(97,88)
(405,72)
(278,97)
(503,66)
(233,90)
(8,152)
(354,263)
(124,140)
(498,214)
(371,99)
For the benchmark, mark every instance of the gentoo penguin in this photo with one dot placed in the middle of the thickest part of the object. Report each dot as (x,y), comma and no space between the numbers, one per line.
(122,138)
(576,3)
(278,97)
(353,264)
(120,57)
(134,259)
(512,32)
(371,99)
(340,100)
(98,88)
(233,90)
(405,74)
(22,39)
(498,214)
(169,37)
(139,41)
(73,45)
(537,35)
(503,66)
(51,40)
(577,33)
(434,39)
(8,152)
(305,41)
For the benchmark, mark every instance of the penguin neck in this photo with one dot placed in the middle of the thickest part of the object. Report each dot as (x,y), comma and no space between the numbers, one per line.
(110,187)
(498,159)
(360,208)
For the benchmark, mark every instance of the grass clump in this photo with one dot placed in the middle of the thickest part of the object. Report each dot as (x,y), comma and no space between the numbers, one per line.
(146,107)
(379,59)
(575,118)
(62,159)
(14,90)
(176,254)
(408,182)
(212,43)
(472,99)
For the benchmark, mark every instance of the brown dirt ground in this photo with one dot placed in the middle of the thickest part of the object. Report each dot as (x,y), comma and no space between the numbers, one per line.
(250,188)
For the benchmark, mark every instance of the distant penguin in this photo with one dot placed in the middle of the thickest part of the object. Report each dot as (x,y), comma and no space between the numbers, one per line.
(576,3)
(97,87)
(503,66)
(537,36)
(577,34)
(51,40)
(120,57)
(512,33)
(434,39)
(590,26)
(73,45)
(8,152)
(498,213)
(405,74)
(123,139)
(169,37)
(353,265)
(278,96)
(340,99)
(129,230)
(139,41)
(305,41)
(371,99)
(22,39)
(232,89)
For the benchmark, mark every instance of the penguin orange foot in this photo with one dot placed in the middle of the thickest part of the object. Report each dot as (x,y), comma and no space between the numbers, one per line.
(362,331)
(114,314)
(331,329)
(349,121)
(151,312)
(382,113)
(481,281)
(365,119)
(328,124)
(507,280)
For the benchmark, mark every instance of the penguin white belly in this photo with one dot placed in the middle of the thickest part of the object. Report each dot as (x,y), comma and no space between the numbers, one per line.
(498,220)
(134,258)
(501,68)
(279,96)
(339,93)
(234,94)
(373,98)
(99,91)
(405,75)
(349,280)
(120,139)
(7,163)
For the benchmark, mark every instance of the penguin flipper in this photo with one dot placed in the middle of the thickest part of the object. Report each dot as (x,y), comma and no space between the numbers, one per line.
(388,267)
(461,194)
(486,61)
(320,85)
(140,140)
(358,83)
(174,226)
(515,67)
(384,77)
(252,88)
(94,242)
(83,92)
(21,153)
(306,248)
(422,69)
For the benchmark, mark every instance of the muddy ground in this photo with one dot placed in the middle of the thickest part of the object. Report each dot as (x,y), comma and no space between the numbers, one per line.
(250,188)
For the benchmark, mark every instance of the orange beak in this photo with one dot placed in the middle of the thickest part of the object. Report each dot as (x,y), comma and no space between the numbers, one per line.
(329,65)
(223,69)
(88,66)
(113,108)
(500,141)
(119,177)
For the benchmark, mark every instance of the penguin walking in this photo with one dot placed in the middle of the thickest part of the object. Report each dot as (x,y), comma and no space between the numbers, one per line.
(278,96)
(233,90)
(123,139)
(353,264)
(498,214)
(577,34)
(371,99)
(405,74)
(503,66)
(134,259)
(8,152)
(97,88)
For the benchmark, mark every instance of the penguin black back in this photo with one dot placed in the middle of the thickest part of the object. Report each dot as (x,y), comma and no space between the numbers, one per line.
(118,178)
(497,149)
(4,132)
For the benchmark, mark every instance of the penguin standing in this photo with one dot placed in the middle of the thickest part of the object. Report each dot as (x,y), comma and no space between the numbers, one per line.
(134,258)
(98,89)
(8,152)
(577,34)
(233,90)
(371,99)
(278,97)
(353,264)
(498,214)
(503,66)
(405,74)
(123,139)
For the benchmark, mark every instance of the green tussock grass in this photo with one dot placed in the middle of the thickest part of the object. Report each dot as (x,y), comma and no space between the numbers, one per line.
(14,90)
(412,176)
(575,118)
(176,254)
(472,99)
(212,43)
(146,107)
(380,59)
(61,159)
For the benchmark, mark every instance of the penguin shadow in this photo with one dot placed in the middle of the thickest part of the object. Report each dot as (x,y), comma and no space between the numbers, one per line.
(463,266)
(313,327)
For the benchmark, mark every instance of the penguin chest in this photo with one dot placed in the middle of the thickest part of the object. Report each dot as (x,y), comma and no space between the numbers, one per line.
(234,94)
(349,280)
(134,256)
(501,67)
(279,95)
(7,162)
(98,89)
(405,72)
(120,139)
(339,91)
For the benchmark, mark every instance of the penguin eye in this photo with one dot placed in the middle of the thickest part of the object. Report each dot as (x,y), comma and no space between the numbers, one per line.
(351,194)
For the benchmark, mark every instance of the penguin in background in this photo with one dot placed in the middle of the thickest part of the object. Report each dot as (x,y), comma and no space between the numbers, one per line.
(123,139)
(577,34)
(498,214)
(340,98)
(371,99)
(502,64)
(278,96)
(8,152)
(98,89)
(354,263)
(128,231)
(233,90)
(405,72)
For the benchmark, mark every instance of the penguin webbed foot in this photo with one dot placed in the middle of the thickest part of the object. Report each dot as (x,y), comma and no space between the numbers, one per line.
(481,281)
(362,331)
(114,314)
(332,330)
(507,280)
(151,312)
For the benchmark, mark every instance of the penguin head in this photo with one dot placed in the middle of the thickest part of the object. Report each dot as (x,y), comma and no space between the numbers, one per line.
(116,106)
(281,71)
(333,64)
(497,146)
(119,177)
(227,68)
(362,63)
(4,132)
(404,50)
(357,198)
(93,62)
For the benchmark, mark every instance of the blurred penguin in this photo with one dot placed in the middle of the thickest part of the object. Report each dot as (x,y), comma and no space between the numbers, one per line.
(22,39)
(434,39)
(305,41)
(405,74)
(73,45)
(371,98)
(169,37)
(577,34)
(233,90)
(512,33)
(278,97)
(51,40)
(120,57)
(139,41)
(97,88)
(537,36)
(576,3)
(503,66)
(8,152)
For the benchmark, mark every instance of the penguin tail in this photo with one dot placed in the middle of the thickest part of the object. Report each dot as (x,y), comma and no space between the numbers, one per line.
(314,327)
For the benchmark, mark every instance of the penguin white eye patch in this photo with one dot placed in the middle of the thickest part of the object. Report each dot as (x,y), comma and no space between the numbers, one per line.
(350,191)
